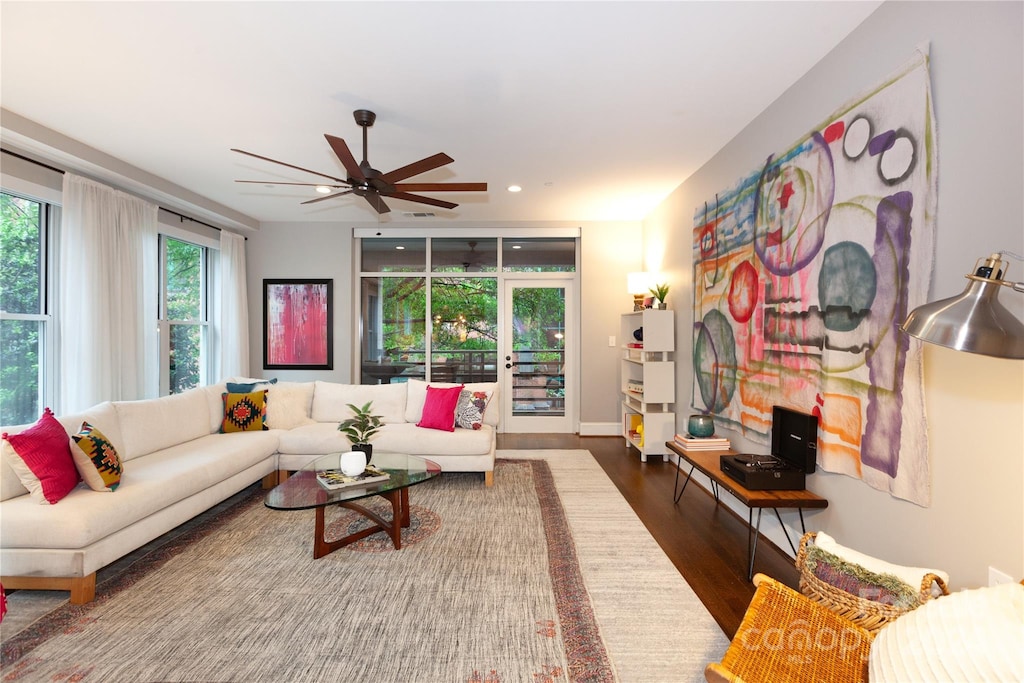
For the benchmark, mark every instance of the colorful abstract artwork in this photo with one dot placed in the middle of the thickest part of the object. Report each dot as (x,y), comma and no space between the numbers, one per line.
(297,328)
(803,273)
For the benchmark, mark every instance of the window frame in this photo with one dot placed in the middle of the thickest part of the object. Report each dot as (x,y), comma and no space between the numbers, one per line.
(49,219)
(164,324)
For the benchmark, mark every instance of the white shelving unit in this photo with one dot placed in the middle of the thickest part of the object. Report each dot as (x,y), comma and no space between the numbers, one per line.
(648,381)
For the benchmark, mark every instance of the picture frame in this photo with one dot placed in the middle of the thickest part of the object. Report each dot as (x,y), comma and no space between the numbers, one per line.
(298,329)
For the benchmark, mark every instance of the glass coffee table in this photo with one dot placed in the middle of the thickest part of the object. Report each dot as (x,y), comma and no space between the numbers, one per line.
(302,491)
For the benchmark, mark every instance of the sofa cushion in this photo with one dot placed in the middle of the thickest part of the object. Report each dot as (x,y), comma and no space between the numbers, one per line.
(469,413)
(244,412)
(289,404)
(318,438)
(96,459)
(439,408)
(322,438)
(149,484)
(157,423)
(418,394)
(41,457)
(330,401)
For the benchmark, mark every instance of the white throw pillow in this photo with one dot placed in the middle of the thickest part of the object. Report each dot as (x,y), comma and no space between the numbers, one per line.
(289,404)
(910,575)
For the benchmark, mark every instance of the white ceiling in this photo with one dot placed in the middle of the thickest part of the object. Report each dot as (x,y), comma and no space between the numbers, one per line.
(597,109)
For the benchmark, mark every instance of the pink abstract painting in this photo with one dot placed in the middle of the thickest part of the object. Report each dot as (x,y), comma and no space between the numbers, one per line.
(297,324)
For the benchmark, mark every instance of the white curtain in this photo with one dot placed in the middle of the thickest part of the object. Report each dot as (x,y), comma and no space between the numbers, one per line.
(108,296)
(231,319)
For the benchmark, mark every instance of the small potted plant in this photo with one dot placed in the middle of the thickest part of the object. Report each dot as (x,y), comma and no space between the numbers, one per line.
(660,292)
(360,427)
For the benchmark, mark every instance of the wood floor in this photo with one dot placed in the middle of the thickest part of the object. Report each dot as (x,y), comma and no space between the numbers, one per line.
(706,542)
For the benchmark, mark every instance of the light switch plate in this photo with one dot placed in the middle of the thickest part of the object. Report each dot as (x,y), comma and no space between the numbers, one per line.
(611,341)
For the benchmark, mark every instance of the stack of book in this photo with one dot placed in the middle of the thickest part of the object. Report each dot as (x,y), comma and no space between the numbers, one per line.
(697,443)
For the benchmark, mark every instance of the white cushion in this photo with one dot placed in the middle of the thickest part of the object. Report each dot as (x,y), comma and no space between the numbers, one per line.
(158,423)
(318,438)
(323,437)
(913,576)
(289,404)
(971,635)
(418,396)
(330,401)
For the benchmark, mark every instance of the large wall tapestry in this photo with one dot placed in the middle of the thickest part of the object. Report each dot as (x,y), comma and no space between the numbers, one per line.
(802,275)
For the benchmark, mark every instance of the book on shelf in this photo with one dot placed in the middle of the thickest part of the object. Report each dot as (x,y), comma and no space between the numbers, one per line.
(635,345)
(335,479)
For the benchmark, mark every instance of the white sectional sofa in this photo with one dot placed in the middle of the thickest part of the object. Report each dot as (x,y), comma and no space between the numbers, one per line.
(177,464)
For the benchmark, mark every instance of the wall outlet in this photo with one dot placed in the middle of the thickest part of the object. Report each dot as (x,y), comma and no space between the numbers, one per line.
(996,577)
(611,341)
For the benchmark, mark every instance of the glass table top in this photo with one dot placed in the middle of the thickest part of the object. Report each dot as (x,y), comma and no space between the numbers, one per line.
(302,491)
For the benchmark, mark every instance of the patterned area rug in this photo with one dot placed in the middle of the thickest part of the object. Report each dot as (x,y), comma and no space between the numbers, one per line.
(488,587)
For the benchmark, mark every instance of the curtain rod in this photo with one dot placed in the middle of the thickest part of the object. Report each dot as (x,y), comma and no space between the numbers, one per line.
(62,172)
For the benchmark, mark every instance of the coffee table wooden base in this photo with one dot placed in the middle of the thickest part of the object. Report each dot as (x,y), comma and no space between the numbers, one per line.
(399,519)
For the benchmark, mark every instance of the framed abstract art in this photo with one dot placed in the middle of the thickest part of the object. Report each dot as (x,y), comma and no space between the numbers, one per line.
(298,324)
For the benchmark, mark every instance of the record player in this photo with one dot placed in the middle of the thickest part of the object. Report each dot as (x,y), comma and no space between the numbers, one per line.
(793,456)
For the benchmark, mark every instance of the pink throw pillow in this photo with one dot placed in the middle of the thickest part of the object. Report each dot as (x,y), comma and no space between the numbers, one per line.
(439,408)
(41,457)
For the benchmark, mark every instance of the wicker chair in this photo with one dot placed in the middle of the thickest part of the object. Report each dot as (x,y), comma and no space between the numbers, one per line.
(786,637)
(867,614)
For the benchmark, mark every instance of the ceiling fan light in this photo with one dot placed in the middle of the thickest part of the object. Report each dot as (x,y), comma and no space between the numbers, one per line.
(323,189)
(514,188)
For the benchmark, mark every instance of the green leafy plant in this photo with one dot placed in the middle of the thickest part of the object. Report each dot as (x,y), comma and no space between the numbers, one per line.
(660,291)
(362,425)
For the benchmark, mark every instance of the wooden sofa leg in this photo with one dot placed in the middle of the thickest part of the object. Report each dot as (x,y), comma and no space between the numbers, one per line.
(83,589)
(489,478)
(270,481)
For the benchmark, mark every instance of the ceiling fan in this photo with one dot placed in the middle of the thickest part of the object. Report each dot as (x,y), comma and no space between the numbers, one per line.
(367,182)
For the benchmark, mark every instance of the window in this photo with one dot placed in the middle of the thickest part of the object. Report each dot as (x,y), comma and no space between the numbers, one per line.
(26,347)
(184,315)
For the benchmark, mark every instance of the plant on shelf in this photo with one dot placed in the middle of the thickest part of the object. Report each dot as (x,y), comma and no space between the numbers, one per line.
(361,427)
(660,291)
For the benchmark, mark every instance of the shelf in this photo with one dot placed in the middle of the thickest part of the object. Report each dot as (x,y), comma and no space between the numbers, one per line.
(651,411)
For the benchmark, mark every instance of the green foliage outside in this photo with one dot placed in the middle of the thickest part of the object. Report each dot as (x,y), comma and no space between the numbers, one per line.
(20,292)
(184,289)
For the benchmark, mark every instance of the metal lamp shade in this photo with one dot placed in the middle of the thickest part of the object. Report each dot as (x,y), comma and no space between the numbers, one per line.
(973,321)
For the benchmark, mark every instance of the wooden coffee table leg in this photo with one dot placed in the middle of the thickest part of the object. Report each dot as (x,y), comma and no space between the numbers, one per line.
(399,518)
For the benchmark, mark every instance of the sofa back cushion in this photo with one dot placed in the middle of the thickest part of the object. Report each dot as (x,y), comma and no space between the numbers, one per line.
(330,401)
(157,423)
(418,395)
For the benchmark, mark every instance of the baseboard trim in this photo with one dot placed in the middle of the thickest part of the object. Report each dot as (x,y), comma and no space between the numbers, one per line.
(600,429)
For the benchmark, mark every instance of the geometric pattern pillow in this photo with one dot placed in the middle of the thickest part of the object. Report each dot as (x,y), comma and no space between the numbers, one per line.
(245,412)
(41,457)
(96,459)
(469,413)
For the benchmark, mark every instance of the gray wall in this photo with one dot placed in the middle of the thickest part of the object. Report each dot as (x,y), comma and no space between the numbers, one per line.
(975,404)
(608,251)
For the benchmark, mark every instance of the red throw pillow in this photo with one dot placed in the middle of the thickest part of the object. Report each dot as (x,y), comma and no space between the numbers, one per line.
(439,408)
(42,459)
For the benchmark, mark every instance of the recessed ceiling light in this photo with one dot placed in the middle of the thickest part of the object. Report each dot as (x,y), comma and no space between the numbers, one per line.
(517,246)
(323,189)
(514,188)
(399,247)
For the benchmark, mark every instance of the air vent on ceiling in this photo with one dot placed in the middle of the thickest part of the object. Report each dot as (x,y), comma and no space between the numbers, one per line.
(418,214)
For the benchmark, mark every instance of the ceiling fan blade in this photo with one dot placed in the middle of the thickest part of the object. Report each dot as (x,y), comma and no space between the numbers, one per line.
(327,196)
(377,202)
(345,156)
(441,187)
(274,182)
(297,168)
(423,200)
(417,167)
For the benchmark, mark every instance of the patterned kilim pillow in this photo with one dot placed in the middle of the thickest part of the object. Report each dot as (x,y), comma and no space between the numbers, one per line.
(96,459)
(469,413)
(864,583)
(245,412)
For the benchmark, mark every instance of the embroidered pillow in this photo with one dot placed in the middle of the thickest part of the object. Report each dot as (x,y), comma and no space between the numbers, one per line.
(41,457)
(96,459)
(244,412)
(469,413)
(887,589)
(439,408)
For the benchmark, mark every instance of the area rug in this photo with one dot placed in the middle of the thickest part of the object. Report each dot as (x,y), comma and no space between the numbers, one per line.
(491,585)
